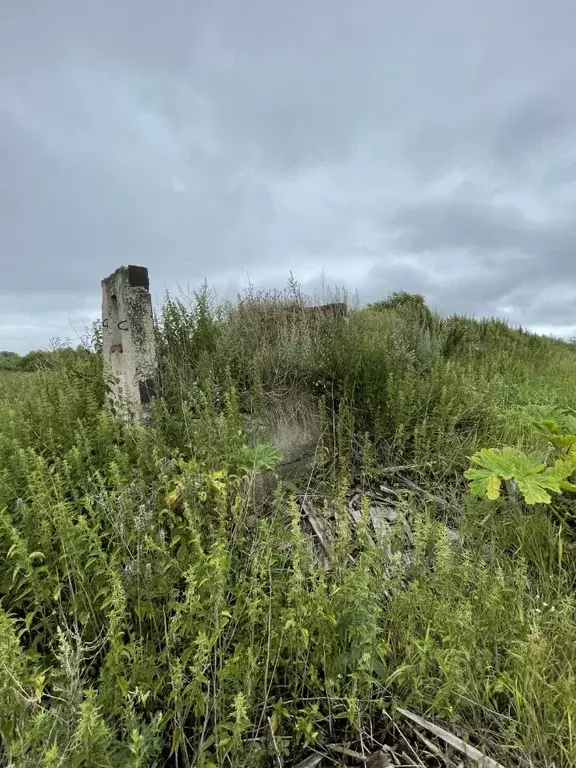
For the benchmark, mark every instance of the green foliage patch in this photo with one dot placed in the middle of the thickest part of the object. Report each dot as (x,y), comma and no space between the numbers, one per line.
(158,608)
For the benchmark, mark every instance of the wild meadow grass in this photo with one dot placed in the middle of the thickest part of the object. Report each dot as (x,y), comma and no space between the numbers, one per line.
(158,607)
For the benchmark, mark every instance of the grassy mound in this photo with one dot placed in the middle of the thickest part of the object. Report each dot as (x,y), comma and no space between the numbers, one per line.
(161,598)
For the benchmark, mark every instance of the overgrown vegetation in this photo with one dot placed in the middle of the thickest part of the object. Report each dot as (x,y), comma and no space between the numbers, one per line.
(161,604)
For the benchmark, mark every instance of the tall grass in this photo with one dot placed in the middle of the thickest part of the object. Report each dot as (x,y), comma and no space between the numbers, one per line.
(156,610)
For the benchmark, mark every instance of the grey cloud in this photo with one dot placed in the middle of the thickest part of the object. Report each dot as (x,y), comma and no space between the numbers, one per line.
(450,224)
(560,173)
(491,230)
(546,117)
(509,260)
(392,146)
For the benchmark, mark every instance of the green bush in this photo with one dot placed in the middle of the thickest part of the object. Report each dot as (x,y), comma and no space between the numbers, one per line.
(411,307)
(9,361)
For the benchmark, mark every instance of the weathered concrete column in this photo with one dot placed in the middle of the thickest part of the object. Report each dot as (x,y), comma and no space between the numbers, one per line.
(128,347)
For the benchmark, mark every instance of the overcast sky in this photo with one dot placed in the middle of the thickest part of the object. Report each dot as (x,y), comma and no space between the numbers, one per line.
(406,145)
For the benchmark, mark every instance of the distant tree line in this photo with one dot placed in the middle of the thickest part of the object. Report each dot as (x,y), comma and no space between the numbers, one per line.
(13,362)
(90,345)
(10,361)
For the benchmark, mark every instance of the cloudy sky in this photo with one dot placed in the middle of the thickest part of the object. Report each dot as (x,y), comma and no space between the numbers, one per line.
(427,147)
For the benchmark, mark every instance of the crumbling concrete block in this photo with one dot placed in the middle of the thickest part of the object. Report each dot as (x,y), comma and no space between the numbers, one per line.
(128,347)
(337,311)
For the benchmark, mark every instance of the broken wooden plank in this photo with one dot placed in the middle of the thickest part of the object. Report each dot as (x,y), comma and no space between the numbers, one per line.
(461,746)
(379,523)
(317,528)
(382,518)
(388,490)
(311,762)
(434,749)
(356,516)
(340,749)
(430,496)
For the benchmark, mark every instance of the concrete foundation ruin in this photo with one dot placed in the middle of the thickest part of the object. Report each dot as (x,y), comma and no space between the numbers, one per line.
(128,341)
(128,346)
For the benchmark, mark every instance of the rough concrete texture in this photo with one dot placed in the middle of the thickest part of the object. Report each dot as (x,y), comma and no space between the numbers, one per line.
(337,310)
(128,347)
(292,425)
(268,311)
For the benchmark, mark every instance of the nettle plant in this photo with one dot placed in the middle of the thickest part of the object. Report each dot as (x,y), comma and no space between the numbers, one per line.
(535,475)
(253,460)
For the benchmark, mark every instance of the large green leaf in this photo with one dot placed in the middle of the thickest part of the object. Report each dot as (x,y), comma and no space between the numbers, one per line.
(506,462)
(562,441)
(535,488)
(532,477)
(562,468)
(483,482)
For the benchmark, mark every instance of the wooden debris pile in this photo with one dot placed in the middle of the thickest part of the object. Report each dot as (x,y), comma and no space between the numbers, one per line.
(386,509)
(412,742)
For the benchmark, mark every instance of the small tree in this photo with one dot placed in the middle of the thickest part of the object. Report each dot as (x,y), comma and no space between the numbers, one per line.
(9,361)
(412,305)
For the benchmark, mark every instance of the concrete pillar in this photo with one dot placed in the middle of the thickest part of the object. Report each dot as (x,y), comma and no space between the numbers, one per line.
(128,347)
